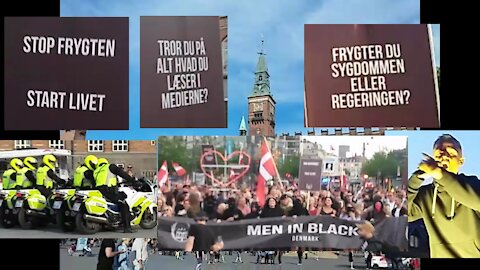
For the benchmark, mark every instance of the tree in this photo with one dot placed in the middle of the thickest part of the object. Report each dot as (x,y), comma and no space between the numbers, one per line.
(289,165)
(346,171)
(385,163)
(174,149)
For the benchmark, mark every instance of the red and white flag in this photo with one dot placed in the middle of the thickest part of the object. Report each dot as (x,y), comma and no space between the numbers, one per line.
(266,172)
(163,174)
(232,174)
(179,169)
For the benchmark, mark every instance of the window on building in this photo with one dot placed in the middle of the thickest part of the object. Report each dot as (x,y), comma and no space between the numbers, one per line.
(153,142)
(21,144)
(56,144)
(95,146)
(119,145)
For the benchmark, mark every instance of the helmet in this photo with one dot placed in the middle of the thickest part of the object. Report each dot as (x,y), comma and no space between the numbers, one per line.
(50,161)
(16,164)
(102,161)
(31,163)
(91,162)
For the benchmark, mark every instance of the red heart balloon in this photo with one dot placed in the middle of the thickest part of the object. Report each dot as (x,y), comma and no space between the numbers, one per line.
(225,162)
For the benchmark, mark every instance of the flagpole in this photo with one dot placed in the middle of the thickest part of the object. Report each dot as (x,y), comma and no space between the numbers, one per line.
(274,164)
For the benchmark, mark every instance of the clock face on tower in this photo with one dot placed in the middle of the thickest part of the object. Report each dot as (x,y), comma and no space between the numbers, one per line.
(257,106)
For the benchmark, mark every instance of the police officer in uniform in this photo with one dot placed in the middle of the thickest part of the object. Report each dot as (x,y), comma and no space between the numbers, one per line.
(28,173)
(83,178)
(46,176)
(10,175)
(106,182)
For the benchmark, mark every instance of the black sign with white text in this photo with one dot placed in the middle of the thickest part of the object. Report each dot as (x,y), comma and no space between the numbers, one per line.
(322,232)
(72,73)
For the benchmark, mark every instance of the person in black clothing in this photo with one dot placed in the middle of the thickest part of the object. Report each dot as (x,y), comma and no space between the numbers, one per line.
(201,239)
(232,212)
(271,209)
(255,211)
(366,231)
(209,203)
(298,210)
(107,254)
(182,205)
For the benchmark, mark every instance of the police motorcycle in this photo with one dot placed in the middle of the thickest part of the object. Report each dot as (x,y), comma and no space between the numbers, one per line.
(93,212)
(7,218)
(35,210)
(60,202)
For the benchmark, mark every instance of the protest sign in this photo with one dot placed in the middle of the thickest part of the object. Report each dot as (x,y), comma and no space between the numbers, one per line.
(181,72)
(369,76)
(322,232)
(66,73)
(310,174)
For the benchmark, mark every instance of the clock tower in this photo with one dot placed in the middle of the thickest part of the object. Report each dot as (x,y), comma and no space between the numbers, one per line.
(261,105)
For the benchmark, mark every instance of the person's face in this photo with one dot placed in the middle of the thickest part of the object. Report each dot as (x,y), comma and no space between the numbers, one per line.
(328,201)
(378,206)
(349,197)
(272,203)
(390,196)
(448,157)
(284,202)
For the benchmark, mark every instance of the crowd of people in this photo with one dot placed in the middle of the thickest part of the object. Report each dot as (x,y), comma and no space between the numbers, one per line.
(371,204)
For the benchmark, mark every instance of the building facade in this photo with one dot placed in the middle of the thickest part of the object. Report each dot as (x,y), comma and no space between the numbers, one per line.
(352,166)
(140,154)
(261,105)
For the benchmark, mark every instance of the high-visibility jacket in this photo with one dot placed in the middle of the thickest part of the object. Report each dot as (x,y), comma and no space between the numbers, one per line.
(42,177)
(79,179)
(7,182)
(22,180)
(104,177)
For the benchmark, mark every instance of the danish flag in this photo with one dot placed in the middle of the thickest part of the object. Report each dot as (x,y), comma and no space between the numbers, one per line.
(266,172)
(163,174)
(179,169)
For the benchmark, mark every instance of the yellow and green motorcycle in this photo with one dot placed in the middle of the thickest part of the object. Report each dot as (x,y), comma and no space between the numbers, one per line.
(93,212)
(8,219)
(60,205)
(31,208)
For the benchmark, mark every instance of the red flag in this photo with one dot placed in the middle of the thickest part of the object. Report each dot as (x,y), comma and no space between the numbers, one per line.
(163,174)
(232,173)
(266,172)
(179,169)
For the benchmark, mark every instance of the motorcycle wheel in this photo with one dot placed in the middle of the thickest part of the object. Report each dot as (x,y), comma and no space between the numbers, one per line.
(84,226)
(7,220)
(67,224)
(149,220)
(24,220)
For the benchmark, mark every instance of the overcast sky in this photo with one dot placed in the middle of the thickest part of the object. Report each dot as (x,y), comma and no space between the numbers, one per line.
(373,143)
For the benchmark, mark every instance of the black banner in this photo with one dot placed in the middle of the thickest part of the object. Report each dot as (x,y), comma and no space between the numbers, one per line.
(322,232)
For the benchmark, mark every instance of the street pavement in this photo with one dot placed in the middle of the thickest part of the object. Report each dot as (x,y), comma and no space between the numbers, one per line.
(160,262)
(51,231)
